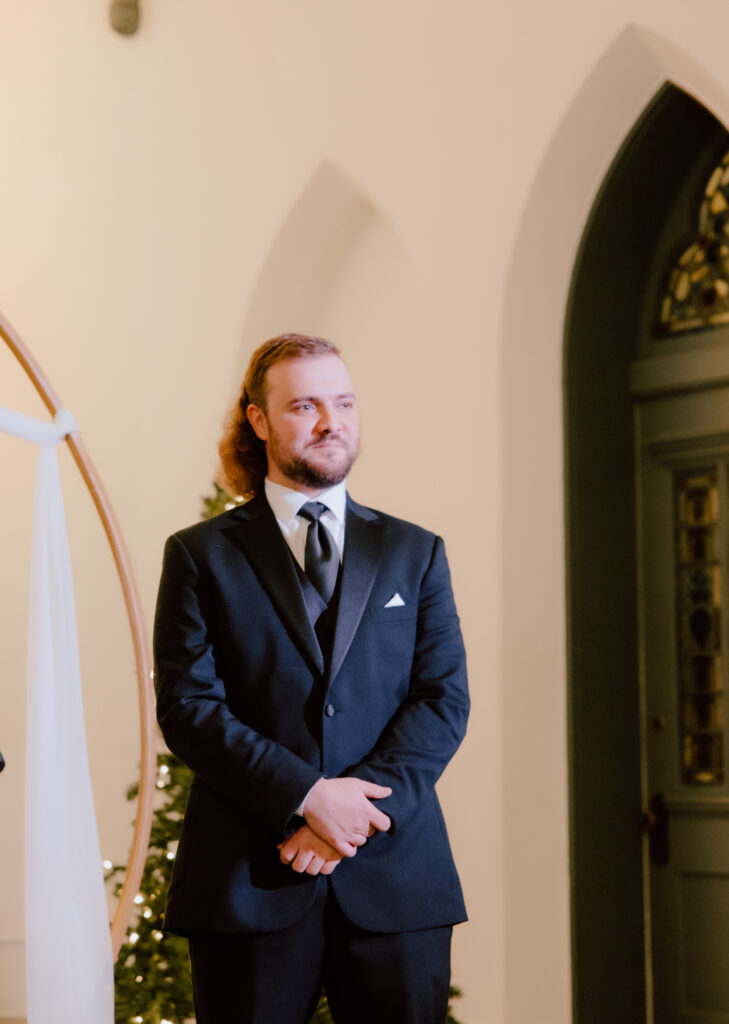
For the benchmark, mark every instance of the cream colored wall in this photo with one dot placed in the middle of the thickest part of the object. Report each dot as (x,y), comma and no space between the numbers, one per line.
(410,181)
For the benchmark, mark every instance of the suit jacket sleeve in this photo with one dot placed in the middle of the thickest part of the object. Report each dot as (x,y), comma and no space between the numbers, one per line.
(425,732)
(261,777)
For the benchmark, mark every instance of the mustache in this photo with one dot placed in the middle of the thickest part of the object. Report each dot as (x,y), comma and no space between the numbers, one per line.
(327,440)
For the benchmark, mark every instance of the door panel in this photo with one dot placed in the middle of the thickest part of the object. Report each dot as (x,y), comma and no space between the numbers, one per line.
(683,467)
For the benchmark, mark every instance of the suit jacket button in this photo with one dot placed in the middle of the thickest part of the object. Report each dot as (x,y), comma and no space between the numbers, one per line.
(329,710)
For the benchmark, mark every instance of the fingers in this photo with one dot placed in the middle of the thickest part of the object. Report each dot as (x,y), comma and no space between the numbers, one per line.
(307,862)
(340,819)
(379,820)
(305,852)
(371,789)
(341,812)
(286,855)
(343,847)
(347,844)
(302,860)
(314,866)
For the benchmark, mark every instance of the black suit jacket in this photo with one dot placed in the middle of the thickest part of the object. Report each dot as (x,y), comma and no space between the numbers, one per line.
(246,700)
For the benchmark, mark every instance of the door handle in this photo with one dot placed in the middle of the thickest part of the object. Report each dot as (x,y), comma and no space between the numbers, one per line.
(656,825)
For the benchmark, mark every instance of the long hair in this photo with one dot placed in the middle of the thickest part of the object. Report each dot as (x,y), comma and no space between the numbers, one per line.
(242,453)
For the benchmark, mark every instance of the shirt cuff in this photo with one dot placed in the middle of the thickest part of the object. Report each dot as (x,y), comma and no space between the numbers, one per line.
(300,809)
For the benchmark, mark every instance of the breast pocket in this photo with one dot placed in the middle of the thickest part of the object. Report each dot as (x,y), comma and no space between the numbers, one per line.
(397,614)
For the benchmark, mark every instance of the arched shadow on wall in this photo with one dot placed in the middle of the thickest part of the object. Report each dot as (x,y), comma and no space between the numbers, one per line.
(539,699)
(306,257)
(338,267)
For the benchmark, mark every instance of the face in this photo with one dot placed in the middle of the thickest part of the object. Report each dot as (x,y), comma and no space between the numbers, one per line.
(310,426)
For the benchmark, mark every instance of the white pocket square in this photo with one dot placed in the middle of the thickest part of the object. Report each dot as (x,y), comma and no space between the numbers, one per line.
(395,602)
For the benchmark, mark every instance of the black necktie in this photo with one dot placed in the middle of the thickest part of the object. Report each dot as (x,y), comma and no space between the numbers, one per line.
(321,558)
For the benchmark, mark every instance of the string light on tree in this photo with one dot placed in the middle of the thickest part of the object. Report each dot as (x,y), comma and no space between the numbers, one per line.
(153,981)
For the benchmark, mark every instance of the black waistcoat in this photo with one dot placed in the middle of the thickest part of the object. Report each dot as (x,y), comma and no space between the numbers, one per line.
(323,617)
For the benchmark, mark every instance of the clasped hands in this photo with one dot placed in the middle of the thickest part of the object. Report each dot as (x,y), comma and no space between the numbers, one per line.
(340,816)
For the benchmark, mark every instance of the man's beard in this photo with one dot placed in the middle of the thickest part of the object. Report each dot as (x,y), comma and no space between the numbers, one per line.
(298,468)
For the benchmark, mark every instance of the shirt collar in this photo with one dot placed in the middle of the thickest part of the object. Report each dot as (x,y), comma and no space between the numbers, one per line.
(286,502)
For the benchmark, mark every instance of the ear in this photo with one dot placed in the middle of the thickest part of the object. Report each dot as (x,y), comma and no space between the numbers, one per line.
(257,419)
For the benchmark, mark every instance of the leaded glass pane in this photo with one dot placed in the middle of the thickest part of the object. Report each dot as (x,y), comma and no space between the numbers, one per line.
(697,295)
(699,587)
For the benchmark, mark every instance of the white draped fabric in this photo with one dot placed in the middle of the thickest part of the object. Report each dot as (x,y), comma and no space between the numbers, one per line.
(69,964)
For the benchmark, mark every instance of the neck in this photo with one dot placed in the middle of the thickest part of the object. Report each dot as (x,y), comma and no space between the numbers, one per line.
(276,477)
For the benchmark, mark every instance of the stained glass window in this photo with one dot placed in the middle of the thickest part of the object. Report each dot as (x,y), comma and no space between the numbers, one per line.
(699,586)
(698,287)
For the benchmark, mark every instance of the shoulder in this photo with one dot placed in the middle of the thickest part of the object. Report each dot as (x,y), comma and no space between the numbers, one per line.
(197,532)
(202,534)
(396,528)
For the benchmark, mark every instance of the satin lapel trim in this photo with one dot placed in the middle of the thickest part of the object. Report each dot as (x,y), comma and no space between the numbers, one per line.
(363,549)
(257,534)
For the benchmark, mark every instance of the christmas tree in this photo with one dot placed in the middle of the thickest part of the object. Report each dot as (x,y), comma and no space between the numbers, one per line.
(152,975)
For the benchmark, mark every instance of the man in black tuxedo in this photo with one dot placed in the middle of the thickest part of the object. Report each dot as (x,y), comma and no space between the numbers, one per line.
(310,671)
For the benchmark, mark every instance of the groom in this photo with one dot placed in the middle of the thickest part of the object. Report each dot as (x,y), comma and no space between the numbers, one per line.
(310,671)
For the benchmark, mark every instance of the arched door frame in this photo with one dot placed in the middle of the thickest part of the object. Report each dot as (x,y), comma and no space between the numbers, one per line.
(539,825)
(648,204)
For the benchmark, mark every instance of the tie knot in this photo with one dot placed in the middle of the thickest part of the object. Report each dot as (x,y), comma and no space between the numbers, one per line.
(313,510)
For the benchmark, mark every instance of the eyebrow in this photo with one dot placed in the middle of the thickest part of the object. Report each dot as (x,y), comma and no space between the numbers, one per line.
(317,398)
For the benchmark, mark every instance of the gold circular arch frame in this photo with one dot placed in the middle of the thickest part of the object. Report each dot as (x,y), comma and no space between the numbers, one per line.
(143,660)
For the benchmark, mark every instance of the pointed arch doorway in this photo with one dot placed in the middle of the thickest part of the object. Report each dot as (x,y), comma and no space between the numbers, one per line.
(646,416)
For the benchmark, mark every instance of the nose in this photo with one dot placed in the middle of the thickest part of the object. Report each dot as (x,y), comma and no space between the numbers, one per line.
(328,420)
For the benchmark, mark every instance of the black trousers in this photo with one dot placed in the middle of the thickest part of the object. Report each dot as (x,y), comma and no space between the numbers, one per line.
(276,977)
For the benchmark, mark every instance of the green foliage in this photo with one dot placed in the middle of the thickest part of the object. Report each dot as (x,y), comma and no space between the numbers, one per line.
(454,993)
(152,974)
(217,502)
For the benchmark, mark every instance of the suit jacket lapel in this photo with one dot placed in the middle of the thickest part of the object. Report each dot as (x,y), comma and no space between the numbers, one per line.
(255,531)
(363,549)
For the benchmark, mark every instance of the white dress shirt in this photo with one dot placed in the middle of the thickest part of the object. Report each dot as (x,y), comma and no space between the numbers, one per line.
(286,503)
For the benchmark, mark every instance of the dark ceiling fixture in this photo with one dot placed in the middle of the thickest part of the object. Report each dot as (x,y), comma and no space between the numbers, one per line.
(124,16)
